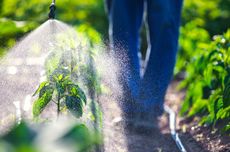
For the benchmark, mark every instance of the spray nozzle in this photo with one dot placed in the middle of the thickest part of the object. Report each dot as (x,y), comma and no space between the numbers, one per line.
(52,11)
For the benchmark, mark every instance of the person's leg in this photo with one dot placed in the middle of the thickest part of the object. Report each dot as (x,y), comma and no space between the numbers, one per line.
(125,22)
(163,17)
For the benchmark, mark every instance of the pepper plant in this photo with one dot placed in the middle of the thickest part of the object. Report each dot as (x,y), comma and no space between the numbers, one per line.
(208,83)
(61,90)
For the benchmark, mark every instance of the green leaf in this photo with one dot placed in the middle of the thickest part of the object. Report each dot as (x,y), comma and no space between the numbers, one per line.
(41,102)
(218,105)
(60,77)
(80,136)
(227,79)
(58,74)
(78,133)
(43,84)
(185,106)
(214,102)
(226,129)
(60,88)
(226,96)
(76,91)
(208,75)
(47,88)
(74,105)
(20,135)
(223,113)
(206,120)
(198,107)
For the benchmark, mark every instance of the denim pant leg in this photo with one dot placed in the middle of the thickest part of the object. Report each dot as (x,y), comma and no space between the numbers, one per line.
(163,17)
(125,21)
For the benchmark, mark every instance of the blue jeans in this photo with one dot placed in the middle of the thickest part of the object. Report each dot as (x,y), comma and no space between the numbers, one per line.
(163,20)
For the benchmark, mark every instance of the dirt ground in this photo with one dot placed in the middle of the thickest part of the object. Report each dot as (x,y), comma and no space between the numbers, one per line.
(119,138)
(195,137)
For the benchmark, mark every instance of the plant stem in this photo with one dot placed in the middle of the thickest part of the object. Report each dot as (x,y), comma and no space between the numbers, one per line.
(54,101)
(71,64)
(58,104)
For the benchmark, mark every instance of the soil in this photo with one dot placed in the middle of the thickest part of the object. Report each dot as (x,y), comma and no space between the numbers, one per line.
(118,138)
(195,138)
(204,137)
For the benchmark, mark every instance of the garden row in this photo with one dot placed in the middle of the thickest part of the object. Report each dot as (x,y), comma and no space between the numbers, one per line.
(207,82)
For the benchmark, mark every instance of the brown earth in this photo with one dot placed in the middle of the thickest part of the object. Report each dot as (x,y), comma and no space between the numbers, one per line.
(195,138)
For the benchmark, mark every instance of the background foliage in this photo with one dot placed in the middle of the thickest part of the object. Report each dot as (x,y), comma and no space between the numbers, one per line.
(203,61)
(18,17)
(205,77)
(208,83)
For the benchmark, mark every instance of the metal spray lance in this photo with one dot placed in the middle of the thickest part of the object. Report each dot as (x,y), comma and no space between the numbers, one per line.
(52,10)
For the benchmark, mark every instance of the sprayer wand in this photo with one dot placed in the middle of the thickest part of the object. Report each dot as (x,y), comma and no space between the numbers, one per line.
(52,10)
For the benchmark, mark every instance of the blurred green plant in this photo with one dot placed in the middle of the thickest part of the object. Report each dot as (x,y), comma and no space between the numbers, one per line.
(212,15)
(19,139)
(20,17)
(201,19)
(25,138)
(12,30)
(191,39)
(208,82)
(81,137)
(75,12)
